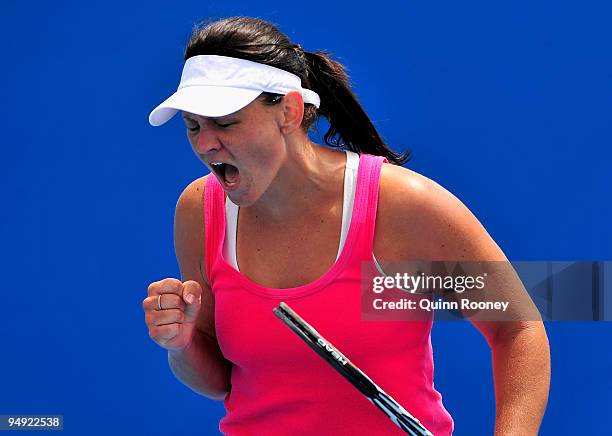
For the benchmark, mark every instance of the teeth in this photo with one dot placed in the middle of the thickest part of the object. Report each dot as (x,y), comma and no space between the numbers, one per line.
(217,164)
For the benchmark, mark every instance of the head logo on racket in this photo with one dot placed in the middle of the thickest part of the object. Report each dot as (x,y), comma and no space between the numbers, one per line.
(333,352)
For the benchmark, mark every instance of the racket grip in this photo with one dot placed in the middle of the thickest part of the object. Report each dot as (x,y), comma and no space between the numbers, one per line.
(400,416)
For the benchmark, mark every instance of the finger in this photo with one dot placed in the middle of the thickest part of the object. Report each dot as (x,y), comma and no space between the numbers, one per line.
(165,286)
(164,317)
(164,332)
(192,292)
(168,301)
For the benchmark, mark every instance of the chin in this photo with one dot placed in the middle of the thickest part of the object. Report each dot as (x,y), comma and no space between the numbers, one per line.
(240,200)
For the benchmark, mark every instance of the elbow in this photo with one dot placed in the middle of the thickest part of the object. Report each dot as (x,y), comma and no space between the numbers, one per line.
(531,335)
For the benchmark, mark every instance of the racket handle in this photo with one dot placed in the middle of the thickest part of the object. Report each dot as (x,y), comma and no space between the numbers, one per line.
(400,416)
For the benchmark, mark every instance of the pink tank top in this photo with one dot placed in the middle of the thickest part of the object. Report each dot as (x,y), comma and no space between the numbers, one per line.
(279,385)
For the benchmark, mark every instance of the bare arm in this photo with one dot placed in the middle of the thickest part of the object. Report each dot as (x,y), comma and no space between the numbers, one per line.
(519,348)
(200,365)
(521,369)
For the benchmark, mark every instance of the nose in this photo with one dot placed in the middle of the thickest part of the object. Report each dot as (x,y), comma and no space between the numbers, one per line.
(207,141)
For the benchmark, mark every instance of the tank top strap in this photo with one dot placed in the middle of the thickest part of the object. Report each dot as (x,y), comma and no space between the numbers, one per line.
(364,212)
(366,201)
(214,221)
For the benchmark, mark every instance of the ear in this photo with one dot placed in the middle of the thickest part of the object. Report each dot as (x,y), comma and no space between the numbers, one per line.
(293,112)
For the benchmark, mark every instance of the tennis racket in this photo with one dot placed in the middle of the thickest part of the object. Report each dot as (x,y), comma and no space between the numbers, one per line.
(400,416)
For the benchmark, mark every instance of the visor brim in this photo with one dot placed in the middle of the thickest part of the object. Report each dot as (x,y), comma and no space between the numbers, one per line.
(207,101)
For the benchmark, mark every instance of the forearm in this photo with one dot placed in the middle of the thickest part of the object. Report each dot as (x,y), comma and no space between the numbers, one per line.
(521,369)
(202,367)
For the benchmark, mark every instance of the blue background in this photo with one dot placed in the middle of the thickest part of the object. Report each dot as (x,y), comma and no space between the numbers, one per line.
(506,105)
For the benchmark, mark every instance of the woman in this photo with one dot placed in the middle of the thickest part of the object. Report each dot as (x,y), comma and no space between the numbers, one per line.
(283,219)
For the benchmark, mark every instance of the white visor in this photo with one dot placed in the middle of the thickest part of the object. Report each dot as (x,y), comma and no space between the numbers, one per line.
(214,86)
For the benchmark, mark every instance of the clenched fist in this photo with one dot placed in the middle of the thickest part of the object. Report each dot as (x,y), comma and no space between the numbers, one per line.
(171,310)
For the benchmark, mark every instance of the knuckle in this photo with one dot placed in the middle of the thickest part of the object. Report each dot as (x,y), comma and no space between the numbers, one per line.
(193,286)
(171,284)
(152,287)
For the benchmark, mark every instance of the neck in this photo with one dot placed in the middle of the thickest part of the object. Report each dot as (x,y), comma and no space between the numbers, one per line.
(309,180)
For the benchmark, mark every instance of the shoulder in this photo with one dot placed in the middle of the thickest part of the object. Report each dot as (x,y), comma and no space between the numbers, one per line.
(189,237)
(190,205)
(434,222)
(190,246)
(416,196)
(192,195)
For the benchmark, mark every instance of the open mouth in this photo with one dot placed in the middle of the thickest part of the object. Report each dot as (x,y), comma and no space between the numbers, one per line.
(228,173)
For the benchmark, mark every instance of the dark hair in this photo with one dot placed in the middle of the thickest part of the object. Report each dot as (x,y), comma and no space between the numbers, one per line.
(259,41)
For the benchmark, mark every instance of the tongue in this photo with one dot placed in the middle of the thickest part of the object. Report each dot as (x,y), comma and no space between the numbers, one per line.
(231,173)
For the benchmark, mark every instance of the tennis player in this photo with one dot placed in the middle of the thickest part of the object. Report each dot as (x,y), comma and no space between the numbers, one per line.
(280,218)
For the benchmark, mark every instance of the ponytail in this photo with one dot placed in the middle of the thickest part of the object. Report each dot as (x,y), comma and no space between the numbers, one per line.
(350,125)
(260,41)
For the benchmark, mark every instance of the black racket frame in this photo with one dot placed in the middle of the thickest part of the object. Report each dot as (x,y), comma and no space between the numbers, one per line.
(400,416)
